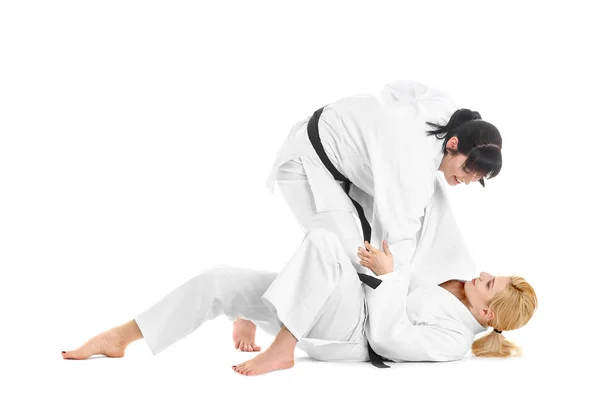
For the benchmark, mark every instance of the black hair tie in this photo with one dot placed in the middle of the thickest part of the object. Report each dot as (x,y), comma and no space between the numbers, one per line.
(499,332)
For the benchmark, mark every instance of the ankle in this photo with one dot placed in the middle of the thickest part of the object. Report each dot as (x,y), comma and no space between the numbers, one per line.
(128,332)
(284,346)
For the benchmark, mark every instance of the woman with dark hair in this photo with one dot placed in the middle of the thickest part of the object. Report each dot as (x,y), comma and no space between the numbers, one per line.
(474,140)
(377,158)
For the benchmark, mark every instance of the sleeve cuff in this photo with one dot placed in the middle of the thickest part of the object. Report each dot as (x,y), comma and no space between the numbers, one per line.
(394,275)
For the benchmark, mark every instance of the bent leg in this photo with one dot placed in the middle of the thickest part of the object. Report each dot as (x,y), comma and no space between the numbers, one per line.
(221,290)
(231,291)
(318,297)
(295,188)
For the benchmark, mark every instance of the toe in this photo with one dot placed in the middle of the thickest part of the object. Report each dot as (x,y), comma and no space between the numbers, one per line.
(70,355)
(256,348)
(237,344)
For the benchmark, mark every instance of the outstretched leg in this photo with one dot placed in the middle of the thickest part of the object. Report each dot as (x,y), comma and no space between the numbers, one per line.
(219,290)
(244,332)
(111,343)
(280,355)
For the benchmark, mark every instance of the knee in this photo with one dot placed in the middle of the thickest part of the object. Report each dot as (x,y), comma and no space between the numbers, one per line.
(213,274)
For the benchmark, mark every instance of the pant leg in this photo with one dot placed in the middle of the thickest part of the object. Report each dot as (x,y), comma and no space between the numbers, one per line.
(295,188)
(216,291)
(319,298)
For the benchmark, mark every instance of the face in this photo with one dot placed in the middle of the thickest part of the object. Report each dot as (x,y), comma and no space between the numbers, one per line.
(452,166)
(480,290)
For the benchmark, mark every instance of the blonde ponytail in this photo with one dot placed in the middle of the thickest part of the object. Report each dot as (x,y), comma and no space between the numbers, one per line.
(513,308)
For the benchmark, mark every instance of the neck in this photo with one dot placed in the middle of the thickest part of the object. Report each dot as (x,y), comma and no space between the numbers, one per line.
(457,288)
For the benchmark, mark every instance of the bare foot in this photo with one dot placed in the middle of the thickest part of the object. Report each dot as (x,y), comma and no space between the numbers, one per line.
(111,343)
(270,360)
(244,332)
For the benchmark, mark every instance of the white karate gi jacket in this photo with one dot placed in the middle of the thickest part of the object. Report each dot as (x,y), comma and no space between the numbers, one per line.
(381,145)
(417,320)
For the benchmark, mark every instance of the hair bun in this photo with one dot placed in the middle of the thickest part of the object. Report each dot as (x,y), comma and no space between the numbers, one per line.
(468,115)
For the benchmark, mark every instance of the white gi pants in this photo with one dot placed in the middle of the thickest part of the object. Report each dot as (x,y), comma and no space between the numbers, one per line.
(317,296)
(294,186)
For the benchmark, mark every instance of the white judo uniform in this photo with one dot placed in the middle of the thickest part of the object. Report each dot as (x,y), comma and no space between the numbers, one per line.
(381,145)
(320,299)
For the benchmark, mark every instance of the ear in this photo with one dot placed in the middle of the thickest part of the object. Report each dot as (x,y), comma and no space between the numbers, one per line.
(487,314)
(452,144)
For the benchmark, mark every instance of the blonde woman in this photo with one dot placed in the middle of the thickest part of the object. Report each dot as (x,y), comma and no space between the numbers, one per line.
(318,304)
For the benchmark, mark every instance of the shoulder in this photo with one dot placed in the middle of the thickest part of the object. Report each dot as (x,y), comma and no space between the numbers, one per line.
(433,98)
(457,341)
(355,100)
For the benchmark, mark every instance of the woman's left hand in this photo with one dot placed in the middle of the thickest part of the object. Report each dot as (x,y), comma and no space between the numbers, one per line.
(379,262)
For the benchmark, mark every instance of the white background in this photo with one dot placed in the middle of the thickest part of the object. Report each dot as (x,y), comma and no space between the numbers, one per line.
(136,138)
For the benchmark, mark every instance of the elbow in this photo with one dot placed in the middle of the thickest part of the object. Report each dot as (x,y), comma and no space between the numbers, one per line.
(381,345)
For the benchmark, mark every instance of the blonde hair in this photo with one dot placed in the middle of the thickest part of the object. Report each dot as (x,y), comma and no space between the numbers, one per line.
(513,308)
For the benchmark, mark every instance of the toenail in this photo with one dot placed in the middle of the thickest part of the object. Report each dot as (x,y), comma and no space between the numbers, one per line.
(63,352)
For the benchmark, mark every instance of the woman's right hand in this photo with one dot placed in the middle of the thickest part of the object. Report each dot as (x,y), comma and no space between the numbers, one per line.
(379,262)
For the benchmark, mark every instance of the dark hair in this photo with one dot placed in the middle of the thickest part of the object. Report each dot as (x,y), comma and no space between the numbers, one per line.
(478,140)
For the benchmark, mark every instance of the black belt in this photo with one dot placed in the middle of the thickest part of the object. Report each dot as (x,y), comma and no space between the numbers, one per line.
(373,282)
